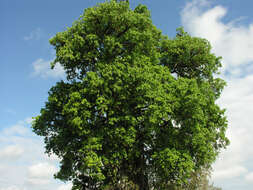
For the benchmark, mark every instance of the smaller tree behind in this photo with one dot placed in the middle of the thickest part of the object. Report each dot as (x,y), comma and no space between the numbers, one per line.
(200,181)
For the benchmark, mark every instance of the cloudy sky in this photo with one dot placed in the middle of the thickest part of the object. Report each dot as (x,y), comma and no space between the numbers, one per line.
(25,76)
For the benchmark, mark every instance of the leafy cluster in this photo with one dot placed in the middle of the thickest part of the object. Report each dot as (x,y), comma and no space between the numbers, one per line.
(138,109)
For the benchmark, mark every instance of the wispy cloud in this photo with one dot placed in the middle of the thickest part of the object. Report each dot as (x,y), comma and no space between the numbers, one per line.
(249,177)
(42,68)
(234,42)
(23,164)
(65,187)
(10,111)
(11,152)
(41,173)
(34,35)
(12,187)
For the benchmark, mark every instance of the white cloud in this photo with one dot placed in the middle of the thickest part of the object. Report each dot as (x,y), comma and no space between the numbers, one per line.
(23,163)
(43,69)
(231,172)
(37,181)
(52,157)
(11,188)
(65,187)
(34,35)
(232,41)
(237,98)
(41,170)
(17,129)
(11,152)
(249,177)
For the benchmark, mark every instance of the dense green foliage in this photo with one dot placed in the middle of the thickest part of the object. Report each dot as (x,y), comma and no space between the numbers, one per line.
(137,108)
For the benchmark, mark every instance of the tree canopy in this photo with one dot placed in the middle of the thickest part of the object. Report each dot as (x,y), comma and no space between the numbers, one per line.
(137,109)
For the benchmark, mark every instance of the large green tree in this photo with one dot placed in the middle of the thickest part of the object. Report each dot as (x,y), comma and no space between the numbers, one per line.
(138,109)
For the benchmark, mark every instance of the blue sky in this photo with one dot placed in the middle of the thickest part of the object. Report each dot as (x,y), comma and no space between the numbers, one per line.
(25,54)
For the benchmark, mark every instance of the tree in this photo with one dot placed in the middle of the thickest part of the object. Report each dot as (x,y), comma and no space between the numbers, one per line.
(137,109)
(199,180)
